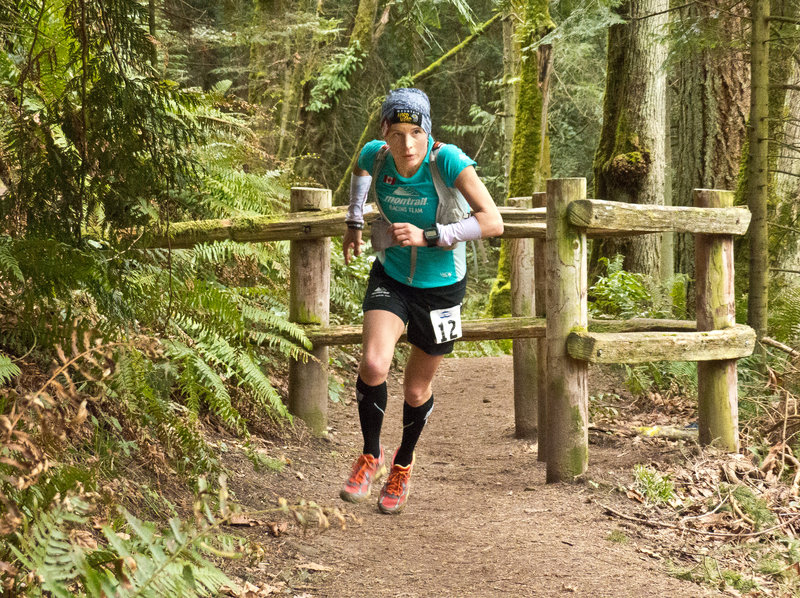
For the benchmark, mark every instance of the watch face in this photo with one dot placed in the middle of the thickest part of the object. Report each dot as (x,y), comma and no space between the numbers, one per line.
(431,233)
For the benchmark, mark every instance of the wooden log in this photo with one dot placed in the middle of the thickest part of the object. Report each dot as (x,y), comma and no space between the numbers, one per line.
(567,390)
(619,218)
(502,328)
(521,230)
(539,201)
(601,218)
(309,303)
(642,347)
(717,391)
(472,330)
(523,222)
(641,325)
(523,302)
(317,223)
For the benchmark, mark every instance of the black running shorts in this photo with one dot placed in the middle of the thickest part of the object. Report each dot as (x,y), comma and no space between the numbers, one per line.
(413,306)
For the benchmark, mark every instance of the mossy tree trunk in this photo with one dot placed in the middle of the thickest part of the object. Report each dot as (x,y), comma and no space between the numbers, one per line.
(756,173)
(785,242)
(511,60)
(530,150)
(783,136)
(630,163)
(709,114)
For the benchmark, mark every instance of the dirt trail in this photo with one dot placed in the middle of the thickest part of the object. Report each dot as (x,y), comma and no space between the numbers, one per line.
(480,520)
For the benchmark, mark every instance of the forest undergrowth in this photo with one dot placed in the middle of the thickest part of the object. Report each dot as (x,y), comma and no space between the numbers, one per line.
(88,465)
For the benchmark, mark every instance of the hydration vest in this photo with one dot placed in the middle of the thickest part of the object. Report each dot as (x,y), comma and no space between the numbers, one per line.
(452,207)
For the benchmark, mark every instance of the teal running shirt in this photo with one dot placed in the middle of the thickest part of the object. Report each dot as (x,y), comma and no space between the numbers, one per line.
(414,200)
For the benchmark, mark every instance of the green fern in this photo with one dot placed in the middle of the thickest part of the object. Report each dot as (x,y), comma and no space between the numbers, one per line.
(333,77)
(784,315)
(8,369)
(146,562)
(134,384)
(48,551)
(8,263)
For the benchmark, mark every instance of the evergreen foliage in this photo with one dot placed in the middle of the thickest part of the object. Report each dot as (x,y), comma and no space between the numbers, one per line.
(142,561)
(620,293)
(96,147)
(7,369)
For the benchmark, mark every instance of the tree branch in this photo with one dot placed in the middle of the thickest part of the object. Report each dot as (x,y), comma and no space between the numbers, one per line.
(778,345)
(780,19)
(661,12)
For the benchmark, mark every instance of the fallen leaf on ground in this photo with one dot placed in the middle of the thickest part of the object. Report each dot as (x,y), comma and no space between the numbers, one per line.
(245,520)
(633,494)
(314,567)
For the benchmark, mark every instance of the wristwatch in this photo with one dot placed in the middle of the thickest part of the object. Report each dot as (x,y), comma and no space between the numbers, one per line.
(431,236)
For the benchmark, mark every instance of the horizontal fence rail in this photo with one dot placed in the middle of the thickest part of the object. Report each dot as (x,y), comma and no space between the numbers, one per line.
(611,218)
(597,217)
(503,328)
(641,347)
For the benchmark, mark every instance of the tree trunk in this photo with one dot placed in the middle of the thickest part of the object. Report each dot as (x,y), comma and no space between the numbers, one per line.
(530,149)
(782,135)
(786,241)
(757,168)
(711,103)
(511,60)
(630,163)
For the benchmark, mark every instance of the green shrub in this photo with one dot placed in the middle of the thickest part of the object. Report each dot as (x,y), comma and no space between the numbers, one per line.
(655,487)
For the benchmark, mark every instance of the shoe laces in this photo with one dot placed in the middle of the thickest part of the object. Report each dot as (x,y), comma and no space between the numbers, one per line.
(361,467)
(396,479)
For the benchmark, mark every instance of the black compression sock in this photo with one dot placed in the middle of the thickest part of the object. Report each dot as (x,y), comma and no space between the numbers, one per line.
(371,407)
(414,419)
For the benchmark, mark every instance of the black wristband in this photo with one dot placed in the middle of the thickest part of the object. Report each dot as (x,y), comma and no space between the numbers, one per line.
(355,225)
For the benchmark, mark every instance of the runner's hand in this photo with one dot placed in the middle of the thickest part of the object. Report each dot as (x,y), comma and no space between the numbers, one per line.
(408,235)
(352,239)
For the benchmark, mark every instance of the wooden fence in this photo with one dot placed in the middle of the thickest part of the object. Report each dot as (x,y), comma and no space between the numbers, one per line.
(549,276)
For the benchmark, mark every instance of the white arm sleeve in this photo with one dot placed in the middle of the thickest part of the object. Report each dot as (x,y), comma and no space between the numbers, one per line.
(465,230)
(359,189)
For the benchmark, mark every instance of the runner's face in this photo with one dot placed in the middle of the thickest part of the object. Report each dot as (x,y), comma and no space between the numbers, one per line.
(409,145)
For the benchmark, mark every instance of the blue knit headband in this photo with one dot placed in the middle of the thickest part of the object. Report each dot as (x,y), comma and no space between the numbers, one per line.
(406,105)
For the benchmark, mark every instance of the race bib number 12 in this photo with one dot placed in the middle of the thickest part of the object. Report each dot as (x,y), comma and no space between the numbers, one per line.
(446,323)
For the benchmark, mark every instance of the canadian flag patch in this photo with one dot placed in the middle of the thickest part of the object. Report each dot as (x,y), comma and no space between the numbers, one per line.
(389,180)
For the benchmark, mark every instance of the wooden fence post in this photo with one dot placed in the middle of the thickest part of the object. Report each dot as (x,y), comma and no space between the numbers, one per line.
(524,349)
(540,283)
(309,303)
(717,392)
(567,390)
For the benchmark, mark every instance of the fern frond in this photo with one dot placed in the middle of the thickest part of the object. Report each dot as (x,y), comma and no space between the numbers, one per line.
(232,192)
(256,315)
(784,315)
(213,388)
(265,394)
(167,562)
(48,551)
(132,385)
(9,264)
(8,369)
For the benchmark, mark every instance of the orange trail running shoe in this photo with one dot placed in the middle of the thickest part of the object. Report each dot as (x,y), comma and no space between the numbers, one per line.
(395,491)
(366,469)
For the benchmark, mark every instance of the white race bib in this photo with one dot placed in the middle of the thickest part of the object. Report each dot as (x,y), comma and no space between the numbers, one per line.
(446,323)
